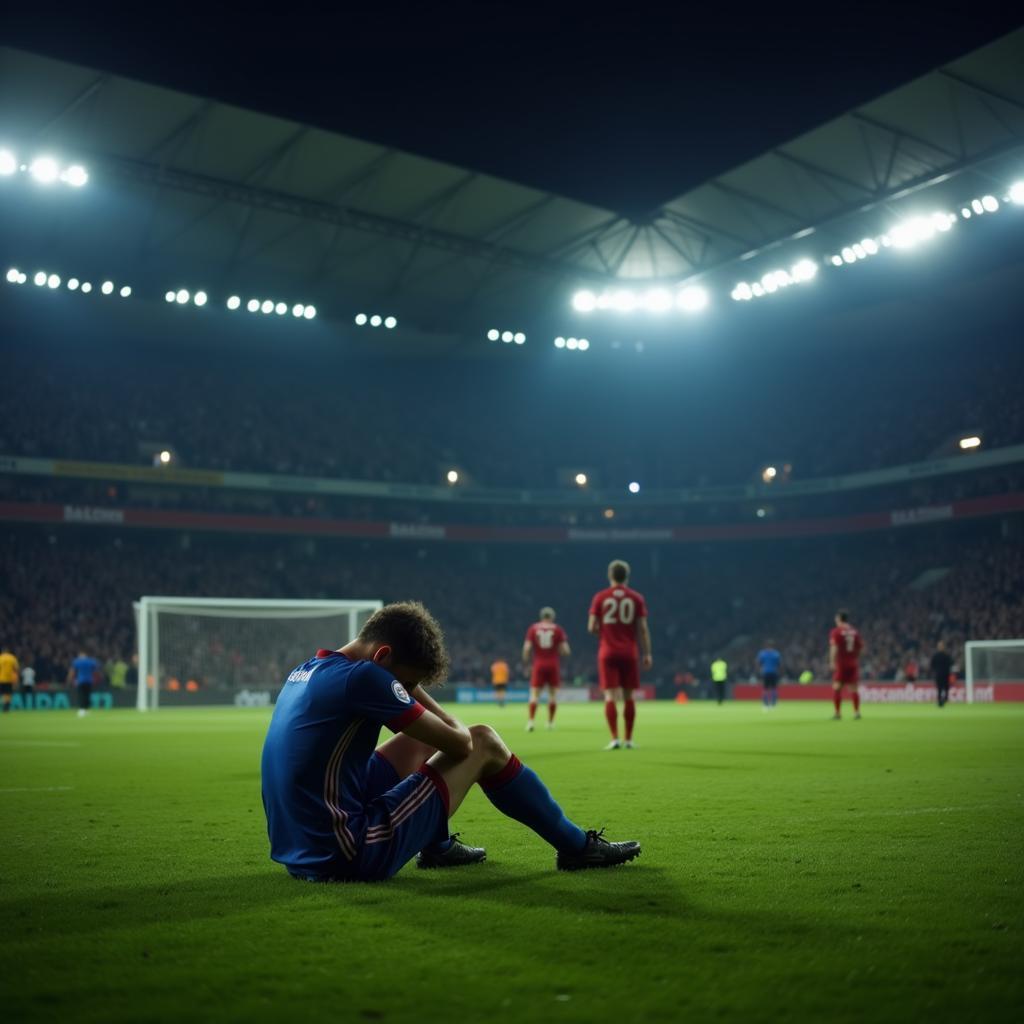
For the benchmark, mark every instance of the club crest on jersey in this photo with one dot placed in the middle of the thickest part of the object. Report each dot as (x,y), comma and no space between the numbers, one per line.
(399,691)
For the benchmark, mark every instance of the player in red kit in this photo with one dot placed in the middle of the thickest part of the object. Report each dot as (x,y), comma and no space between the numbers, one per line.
(618,616)
(546,643)
(844,650)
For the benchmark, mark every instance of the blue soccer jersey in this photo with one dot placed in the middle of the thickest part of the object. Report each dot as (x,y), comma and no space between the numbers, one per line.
(84,669)
(769,659)
(317,756)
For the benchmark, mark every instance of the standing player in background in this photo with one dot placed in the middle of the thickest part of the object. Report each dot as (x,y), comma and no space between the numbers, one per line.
(83,674)
(618,616)
(28,685)
(844,649)
(719,677)
(768,661)
(9,670)
(942,670)
(547,643)
(499,679)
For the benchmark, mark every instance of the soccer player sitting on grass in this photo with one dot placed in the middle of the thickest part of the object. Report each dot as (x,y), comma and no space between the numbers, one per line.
(339,808)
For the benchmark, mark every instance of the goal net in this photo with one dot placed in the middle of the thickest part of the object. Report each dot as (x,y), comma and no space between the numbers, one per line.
(224,646)
(992,663)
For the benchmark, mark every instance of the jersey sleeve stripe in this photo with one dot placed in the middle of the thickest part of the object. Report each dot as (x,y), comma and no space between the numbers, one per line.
(407,717)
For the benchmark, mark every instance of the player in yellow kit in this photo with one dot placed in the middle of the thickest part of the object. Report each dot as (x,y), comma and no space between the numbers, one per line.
(9,675)
(499,679)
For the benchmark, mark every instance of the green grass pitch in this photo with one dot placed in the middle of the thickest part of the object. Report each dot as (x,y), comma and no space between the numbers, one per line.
(794,868)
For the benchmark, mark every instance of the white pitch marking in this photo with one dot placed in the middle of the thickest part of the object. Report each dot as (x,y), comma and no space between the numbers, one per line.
(37,789)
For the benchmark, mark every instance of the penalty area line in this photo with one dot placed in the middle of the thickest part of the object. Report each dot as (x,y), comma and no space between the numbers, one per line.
(37,789)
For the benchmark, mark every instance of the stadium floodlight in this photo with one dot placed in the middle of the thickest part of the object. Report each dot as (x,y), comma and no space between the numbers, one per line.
(53,281)
(977,207)
(14,276)
(658,300)
(267,306)
(519,338)
(506,336)
(200,298)
(391,323)
(361,319)
(44,169)
(453,476)
(298,309)
(634,488)
(8,163)
(73,284)
(1015,196)
(107,287)
(967,443)
(581,479)
(571,343)
(583,344)
(769,284)
(253,305)
(870,246)
(75,176)
(768,474)
(692,299)
(165,457)
(965,213)
(86,287)
(584,301)
(623,301)
(837,260)
(742,292)
(181,296)
(125,291)
(376,321)
(309,312)
(761,513)
(281,308)
(559,342)
(989,204)
(849,256)
(234,302)
(493,334)
(805,270)
(39,278)
(943,221)
(757,289)
(859,251)
(169,296)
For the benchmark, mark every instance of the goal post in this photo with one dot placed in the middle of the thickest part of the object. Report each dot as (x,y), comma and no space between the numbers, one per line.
(225,645)
(991,663)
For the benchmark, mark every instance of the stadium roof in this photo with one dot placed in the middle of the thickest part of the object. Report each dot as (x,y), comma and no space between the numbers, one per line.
(245,201)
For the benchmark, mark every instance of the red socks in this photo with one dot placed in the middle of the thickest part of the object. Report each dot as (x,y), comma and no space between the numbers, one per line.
(837,699)
(533,709)
(551,711)
(629,713)
(856,701)
(611,713)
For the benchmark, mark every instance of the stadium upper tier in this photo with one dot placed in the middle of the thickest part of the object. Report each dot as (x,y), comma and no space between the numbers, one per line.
(719,422)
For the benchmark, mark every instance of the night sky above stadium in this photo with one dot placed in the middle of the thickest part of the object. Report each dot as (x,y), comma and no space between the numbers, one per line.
(622,107)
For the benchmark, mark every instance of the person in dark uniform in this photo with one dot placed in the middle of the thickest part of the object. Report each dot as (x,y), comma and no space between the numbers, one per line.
(942,669)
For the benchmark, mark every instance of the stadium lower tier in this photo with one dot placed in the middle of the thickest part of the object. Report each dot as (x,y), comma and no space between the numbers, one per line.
(69,587)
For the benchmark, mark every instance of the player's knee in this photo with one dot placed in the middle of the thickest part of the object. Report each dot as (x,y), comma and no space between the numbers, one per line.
(488,745)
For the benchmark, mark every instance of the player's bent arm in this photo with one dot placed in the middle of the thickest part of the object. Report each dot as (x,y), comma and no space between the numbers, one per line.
(563,649)
(420,694)
(452,739)
(593,626)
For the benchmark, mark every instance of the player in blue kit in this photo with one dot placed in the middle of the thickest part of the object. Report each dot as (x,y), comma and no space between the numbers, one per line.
(340,808)
(768,661)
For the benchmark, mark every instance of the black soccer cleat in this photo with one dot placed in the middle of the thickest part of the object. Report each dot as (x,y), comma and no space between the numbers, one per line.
(455,856)
(598,853)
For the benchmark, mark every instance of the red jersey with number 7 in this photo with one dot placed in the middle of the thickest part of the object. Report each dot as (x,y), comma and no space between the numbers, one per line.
(848,645)
(618,610)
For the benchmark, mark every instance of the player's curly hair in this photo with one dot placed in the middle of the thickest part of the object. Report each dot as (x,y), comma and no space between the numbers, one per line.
(414,636)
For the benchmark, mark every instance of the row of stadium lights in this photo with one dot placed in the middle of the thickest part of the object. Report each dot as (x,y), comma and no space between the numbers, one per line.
(507,337)
(183,297)
(41,279)
(905,235)
(376,320)
(43,169)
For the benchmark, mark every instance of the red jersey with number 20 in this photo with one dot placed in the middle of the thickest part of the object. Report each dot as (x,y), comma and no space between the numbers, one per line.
(848,645)
(545,638)
(618,610)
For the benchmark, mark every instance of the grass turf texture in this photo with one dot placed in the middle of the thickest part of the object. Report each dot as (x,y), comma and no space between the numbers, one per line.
(793,868)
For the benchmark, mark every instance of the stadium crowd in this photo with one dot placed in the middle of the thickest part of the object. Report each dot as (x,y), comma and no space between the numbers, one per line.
(272,418)
(73,588)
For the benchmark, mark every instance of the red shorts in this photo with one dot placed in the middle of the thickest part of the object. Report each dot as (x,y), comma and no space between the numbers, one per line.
(846,674)
(617,671)
(545,675)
